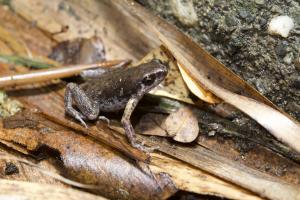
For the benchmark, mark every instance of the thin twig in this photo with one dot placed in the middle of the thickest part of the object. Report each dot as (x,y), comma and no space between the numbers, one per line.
(53,73)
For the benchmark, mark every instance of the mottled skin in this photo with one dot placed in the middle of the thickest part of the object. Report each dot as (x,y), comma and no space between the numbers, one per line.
(114,90)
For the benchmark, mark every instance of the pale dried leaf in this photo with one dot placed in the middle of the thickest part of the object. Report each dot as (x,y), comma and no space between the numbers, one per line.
(182,125)
(196,89)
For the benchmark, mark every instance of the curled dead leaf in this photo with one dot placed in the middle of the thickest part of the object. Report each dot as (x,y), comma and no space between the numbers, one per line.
(182,125)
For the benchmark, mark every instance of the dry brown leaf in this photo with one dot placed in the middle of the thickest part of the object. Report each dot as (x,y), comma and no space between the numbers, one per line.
(266,186)
(133,40)
(12,42)
(79,51)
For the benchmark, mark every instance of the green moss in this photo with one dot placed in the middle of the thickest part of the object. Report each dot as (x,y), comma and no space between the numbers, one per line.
(5,2)
(8,107)
(24,61)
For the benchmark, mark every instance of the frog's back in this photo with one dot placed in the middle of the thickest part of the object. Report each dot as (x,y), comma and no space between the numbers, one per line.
(111,90)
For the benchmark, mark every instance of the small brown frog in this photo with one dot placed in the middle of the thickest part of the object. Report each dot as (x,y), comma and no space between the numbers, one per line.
(112,90)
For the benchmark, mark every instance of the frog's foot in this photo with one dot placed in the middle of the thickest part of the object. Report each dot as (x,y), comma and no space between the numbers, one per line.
(81,121)
(78,116)
(142,147)
(151,149)
(103,118)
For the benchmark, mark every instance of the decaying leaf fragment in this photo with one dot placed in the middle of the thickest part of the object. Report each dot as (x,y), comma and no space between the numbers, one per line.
(181,125)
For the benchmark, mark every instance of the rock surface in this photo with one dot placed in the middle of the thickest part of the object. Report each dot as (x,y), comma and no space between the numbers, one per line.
(236,33)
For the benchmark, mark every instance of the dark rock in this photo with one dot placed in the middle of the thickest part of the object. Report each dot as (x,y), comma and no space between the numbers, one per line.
(281,49)
(263,23)
(205,39)
(231,21)
(297,83)
(243,14)
(11,168)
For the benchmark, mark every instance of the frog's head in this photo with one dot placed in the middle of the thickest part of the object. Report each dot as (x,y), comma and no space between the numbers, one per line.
(154,72)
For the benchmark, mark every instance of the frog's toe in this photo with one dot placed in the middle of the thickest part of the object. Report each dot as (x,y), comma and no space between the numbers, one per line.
(103,118)
(81,121)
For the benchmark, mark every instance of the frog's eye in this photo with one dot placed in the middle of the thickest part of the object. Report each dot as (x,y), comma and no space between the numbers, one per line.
(149,79)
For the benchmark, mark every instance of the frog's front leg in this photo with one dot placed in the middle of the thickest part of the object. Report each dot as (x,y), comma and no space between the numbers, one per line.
(88,108)
(129,131)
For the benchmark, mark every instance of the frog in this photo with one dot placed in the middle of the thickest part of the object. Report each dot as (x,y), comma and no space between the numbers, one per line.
(112,90)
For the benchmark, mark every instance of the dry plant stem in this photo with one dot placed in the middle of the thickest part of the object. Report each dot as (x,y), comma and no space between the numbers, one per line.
(11,189)
(103,136)
(53,73)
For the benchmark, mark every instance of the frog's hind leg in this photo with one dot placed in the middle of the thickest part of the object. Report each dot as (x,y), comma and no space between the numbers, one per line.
(89,110)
